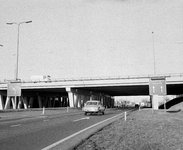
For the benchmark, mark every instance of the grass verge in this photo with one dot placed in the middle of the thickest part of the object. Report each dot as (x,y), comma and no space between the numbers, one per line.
(145,129)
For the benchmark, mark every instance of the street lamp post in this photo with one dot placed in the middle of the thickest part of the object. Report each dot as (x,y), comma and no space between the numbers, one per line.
(11,23)
(154,59)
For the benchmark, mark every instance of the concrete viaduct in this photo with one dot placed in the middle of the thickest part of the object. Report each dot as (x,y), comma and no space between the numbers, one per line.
(75,92)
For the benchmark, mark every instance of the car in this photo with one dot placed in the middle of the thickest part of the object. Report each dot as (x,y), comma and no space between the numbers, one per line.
(93,106)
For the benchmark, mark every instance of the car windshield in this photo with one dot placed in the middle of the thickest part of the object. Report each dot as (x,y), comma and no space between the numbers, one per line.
(91,103)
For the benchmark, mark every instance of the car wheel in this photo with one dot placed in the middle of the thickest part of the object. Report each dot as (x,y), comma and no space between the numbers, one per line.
(85,113)
(103,113)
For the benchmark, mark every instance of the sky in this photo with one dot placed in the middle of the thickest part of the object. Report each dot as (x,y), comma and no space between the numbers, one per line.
(91,38)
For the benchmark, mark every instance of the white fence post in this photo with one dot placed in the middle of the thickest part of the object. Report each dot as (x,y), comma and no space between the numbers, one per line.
(43,111)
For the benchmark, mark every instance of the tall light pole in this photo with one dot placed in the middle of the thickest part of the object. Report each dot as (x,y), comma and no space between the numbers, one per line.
(154,59)
(18,24)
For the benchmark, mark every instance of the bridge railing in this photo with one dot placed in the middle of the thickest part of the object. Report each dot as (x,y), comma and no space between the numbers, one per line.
(100,78)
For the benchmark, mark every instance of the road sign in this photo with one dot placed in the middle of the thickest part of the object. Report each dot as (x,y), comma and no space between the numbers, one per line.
(14,89)
(157,86)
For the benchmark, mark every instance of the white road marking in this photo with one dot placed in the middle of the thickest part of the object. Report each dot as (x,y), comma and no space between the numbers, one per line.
(81,119)
(40,117)
(77,133)
(16,125)
(46,120)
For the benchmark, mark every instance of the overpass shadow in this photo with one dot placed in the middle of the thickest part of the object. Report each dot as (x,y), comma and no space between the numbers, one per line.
(176,103)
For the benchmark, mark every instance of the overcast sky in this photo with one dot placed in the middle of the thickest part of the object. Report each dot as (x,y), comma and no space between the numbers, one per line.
(91,38)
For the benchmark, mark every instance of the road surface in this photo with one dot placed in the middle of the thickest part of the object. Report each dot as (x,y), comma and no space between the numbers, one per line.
(38,132)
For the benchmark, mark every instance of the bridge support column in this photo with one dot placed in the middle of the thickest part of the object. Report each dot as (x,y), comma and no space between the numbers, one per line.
(40,101)
(49,102)
(78,100)
(1,103)
(14,102)
(7,104)
(82,100)
(155,102)
(20,102)
(71,99)
(102,100)
(70,96)
(31,101)
(25,102)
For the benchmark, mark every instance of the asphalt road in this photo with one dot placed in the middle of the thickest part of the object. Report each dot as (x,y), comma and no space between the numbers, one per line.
(38,132)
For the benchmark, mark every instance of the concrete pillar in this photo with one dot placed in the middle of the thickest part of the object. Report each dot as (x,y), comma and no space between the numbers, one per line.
(151,97)
(68,104)
(1,103)
(71,99)
(78,101)
(46,102)
(20,102)
(53,101)
(155,102)
(70,96)
(40,101)
(25,102)
(61,101)
(91,97)
(7,104)
(82,100)
(31,101)
(15,101)
(65,101)
(75,99)
(102,100)
(49,102)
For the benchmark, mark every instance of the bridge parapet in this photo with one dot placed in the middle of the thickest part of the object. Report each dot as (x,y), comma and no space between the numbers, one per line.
(97,81)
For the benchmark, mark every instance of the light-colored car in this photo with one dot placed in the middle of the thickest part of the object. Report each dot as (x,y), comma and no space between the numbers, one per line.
(93,106)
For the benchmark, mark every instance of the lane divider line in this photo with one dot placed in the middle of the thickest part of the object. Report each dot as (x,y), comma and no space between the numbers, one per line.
(69,137)
(81,119)
(46,120)
(16,125)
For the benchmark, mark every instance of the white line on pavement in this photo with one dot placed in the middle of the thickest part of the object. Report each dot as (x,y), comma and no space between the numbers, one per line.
(81,119)
(16,125)
(46,120)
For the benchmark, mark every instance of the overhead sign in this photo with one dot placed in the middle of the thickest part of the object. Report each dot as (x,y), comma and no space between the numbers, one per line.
(157,86)
(14,89)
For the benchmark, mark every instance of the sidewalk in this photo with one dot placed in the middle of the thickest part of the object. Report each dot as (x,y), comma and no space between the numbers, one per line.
(21,113)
